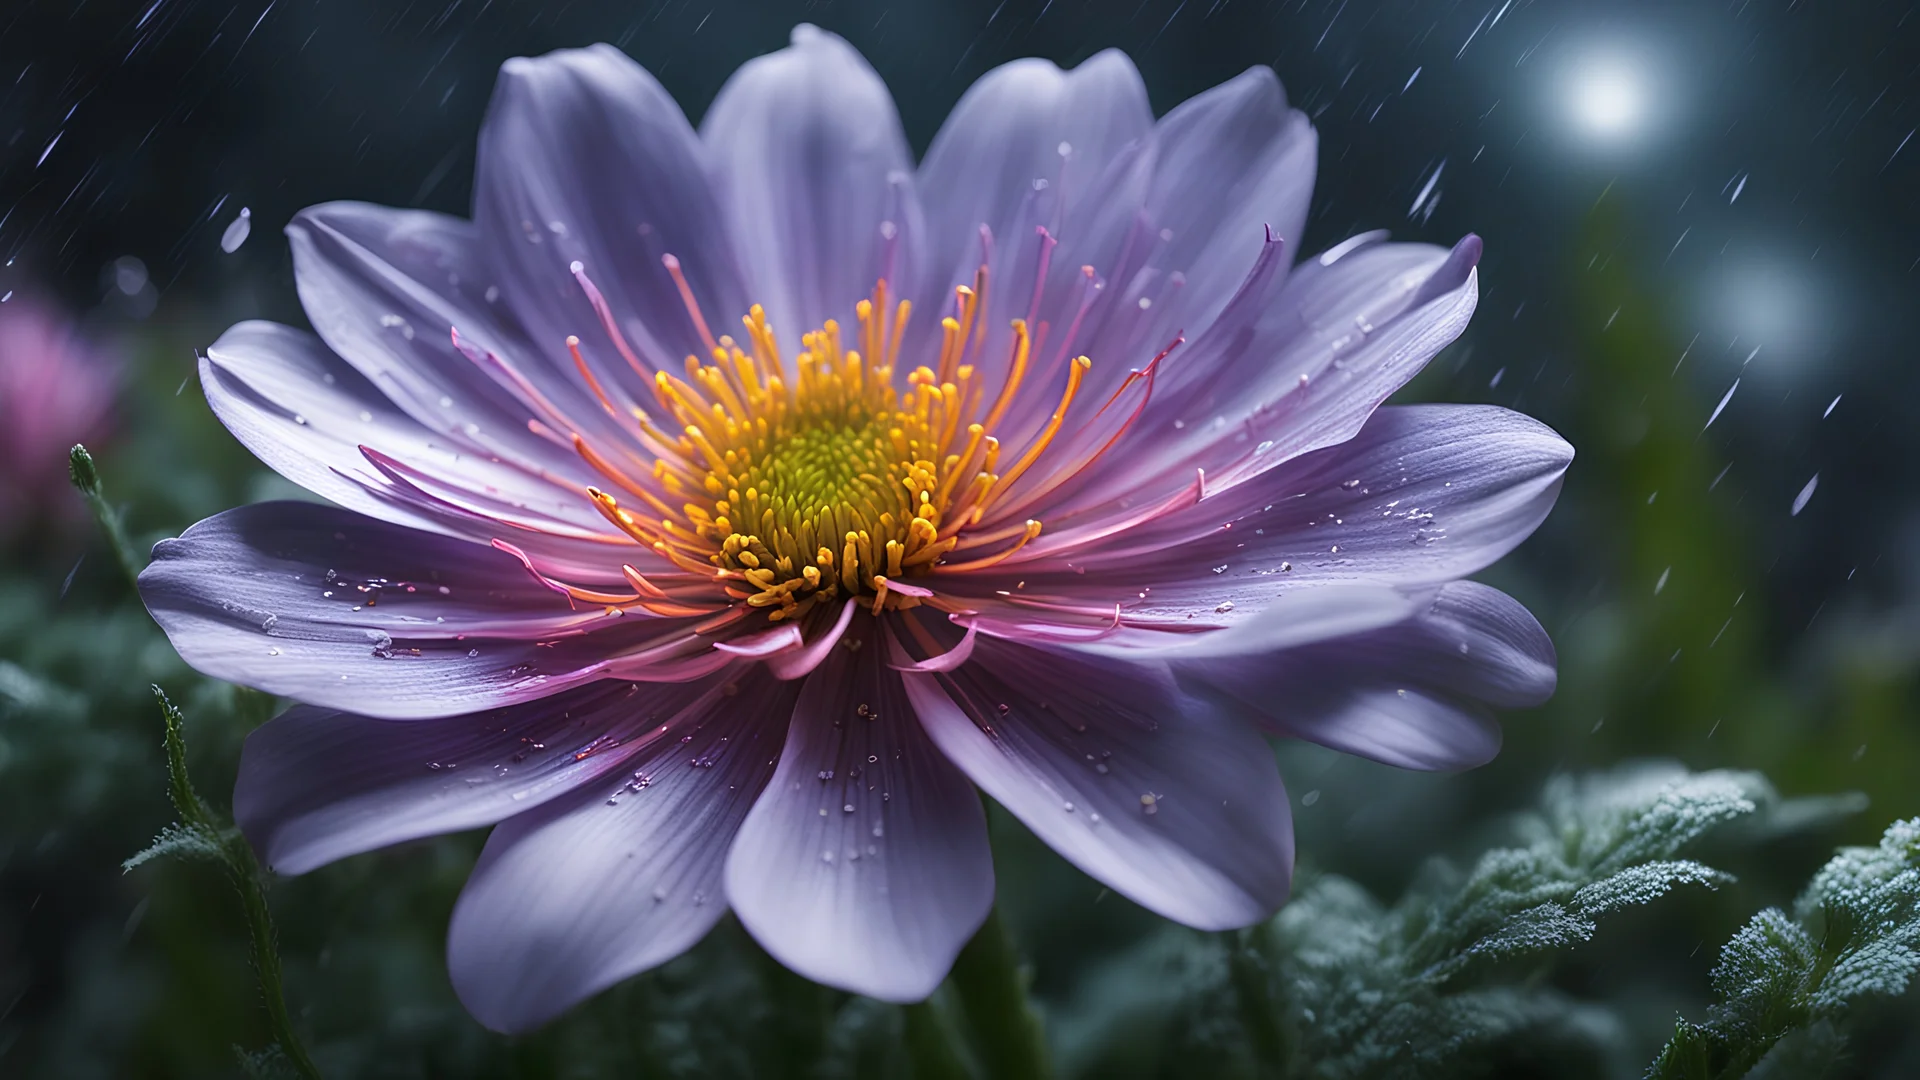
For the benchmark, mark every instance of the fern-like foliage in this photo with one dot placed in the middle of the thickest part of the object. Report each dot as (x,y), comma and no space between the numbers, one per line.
(1444,983)
(1784,981)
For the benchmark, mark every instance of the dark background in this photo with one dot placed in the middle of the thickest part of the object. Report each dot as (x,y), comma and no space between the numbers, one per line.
(1756,190)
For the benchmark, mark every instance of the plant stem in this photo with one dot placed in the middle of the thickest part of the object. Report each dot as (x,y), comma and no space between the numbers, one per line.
(244,869)
(992,991)
(930,1044)
(266,958)
(86,478)
(1247,967)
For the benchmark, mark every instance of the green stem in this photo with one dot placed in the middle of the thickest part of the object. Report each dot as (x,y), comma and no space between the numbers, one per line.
(931,1046)
(1247,968)
(992,991)
(87,479)
(244,869)
(266,958)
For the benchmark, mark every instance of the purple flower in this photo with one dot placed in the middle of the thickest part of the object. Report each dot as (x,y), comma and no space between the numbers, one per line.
(703,618)
(56,389)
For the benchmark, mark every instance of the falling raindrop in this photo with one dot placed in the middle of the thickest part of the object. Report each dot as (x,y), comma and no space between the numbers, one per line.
(237,231)
(1800,500)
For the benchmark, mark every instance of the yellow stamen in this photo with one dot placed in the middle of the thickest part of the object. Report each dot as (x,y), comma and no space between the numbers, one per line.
(790,487)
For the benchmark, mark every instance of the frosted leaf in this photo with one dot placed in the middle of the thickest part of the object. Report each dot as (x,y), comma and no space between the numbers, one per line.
(177,841)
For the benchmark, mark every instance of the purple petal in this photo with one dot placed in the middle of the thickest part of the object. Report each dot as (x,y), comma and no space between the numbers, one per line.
(584,157)
(387,288)
(1235,164)
(1362,371)
(1170,231)
(817,180)
(583,892)
(1425,494)
(998,162)
(865,865)
(344,611)
(308,414)
(1414,694)
(1165,800)
(318,785)
(1274,379)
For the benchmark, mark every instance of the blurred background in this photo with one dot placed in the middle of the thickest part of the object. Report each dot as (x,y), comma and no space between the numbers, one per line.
(1702,246)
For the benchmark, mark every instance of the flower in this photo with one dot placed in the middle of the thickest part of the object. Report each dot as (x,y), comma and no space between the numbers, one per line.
(56,389)
(1072,488)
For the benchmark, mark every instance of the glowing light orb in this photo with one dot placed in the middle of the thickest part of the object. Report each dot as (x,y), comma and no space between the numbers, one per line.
(1607,98)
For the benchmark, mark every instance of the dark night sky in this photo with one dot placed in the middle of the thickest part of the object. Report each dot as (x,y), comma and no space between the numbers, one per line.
(1759,150)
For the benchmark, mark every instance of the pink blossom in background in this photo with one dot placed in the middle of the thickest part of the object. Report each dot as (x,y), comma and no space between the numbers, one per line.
(56,389)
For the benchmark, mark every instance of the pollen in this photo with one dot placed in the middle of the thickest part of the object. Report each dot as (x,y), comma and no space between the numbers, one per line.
(831,474)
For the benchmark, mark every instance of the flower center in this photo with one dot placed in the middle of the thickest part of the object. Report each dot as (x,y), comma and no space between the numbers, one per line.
(797,484)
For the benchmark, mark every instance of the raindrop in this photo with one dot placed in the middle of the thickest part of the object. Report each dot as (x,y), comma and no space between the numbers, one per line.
(1310,797)
(1800,500)
(237,231)
(1723,404)
(1662,583)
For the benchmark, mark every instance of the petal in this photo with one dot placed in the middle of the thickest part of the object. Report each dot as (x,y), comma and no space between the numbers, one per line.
(1169,232)
(308,415)
(347,612)
(816,178)
(585,891)
(1414,694)
(387,288)
(865,865)
(1276,378)
(1024,144)
(1425,494)
(584,157)
(1143,787)
(318,785)
(1332,404)
(1235,164)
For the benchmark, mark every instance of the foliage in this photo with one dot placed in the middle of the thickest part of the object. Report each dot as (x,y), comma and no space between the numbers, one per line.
(1449,981)
(1852,935)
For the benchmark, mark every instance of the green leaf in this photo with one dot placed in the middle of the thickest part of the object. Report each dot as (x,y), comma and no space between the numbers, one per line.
(1786,981)
(181,842)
